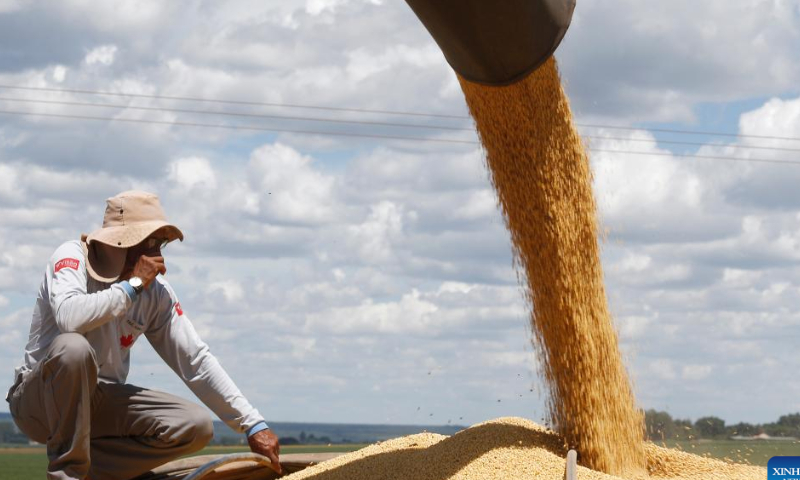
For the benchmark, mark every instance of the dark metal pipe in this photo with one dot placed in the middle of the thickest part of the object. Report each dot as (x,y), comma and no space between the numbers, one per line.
(495,42)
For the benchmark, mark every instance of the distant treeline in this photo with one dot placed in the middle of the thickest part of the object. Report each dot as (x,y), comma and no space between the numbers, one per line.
(9,433)
(307,433)
(661,426)
(289,433)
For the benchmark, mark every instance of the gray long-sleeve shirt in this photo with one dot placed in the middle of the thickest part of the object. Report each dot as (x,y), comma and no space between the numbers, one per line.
(71,301)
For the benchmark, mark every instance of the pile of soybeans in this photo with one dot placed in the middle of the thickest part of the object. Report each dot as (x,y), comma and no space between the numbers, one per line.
(503,449)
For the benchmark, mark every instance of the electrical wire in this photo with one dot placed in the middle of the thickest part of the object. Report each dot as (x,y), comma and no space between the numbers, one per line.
(238,127)
(365,135)
(689,132)
(372,111)
(697,144)
(231,102)
(353,122)
(235,114)
(708,157)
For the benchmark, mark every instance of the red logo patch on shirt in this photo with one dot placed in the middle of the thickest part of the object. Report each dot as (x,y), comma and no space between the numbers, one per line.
(67,263)
(126,341)
(178,308)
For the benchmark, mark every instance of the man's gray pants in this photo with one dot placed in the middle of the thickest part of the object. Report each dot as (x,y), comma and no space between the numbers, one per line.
(103,430)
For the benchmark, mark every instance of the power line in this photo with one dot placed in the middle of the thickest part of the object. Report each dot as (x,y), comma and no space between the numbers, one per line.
(708,157)
(239,127)
(231,102)
(236,114)
(689,132)
(353,122)
(364,135)
(356,122)
(372,111)
(698,144)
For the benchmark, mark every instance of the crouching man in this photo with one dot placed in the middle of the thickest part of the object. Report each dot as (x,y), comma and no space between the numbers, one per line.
(98,296)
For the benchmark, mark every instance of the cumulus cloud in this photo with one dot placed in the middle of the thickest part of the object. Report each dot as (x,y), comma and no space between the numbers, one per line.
(302,193)
(7,6)
(631,188)
(231,290)
(59,73)
(14,328)
(636,59)
(374,237)
(769,188)
(103,55)
(192,172)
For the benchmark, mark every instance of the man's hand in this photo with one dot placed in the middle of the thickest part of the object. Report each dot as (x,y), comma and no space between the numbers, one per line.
(147,268)
(266,443)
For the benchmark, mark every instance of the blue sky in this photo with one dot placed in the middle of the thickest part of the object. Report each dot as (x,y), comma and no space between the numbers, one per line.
(347,279)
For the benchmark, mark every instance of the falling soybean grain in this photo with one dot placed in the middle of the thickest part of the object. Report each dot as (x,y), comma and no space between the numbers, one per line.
(540,171)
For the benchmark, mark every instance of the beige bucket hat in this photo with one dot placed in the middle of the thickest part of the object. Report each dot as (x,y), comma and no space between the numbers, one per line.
(130,218)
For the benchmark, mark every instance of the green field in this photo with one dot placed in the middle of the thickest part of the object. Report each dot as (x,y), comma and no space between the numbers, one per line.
(22,463)
(753,453)
(29,463)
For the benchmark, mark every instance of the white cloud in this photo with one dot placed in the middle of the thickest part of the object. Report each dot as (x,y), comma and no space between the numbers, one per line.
(662,369)
(103,55)
(288,188)
(519,359)
(776,118)
(658,60)
(634,327)
(13,337)
(193,172)
(316,7)
(738,278)
(8,6)
(632,188)
(125,15)
(375,238)
(696,372)
(411,315)
(231,290)
(635,262)
(59,73)
(481,204)
(10,188)
(362,63)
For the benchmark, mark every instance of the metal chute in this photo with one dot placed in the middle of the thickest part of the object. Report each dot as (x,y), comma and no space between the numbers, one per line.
(495,42)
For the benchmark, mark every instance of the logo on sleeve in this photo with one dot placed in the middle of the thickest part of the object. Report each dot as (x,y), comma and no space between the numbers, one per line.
(134,324)
(67,263)
(126,340)
(178,309)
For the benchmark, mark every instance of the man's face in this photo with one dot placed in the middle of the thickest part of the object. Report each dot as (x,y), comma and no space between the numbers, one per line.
(149,247)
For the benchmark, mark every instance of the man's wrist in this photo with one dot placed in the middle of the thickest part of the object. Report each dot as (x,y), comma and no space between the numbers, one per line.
(262,425)
(137,284)
(128,289)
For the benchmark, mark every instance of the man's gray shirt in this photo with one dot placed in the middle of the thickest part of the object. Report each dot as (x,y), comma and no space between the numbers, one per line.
(71,301)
